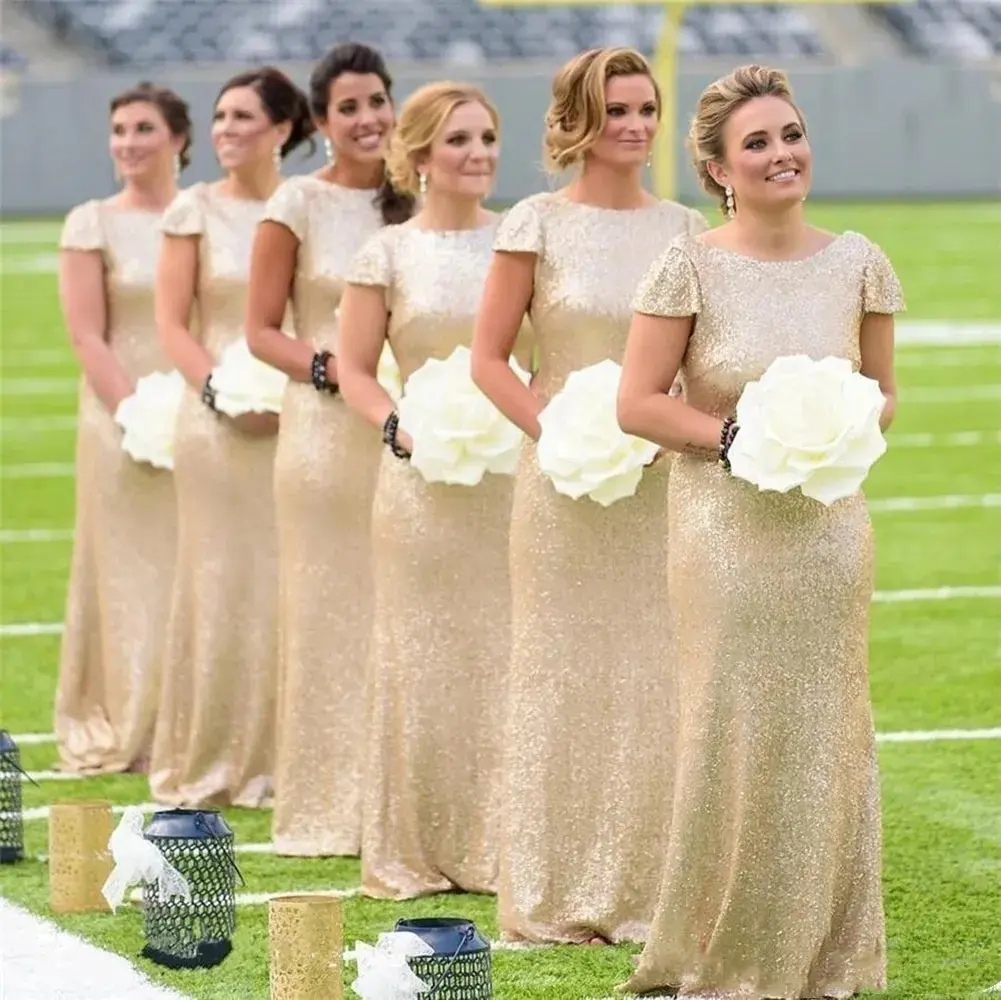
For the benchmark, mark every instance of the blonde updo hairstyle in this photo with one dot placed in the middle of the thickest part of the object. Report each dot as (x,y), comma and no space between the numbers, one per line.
(576,116)
(716,106)
(421,118)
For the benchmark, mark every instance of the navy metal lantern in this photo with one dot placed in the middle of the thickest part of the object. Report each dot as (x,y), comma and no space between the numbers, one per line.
(195,933)
(459,969)
(11,815)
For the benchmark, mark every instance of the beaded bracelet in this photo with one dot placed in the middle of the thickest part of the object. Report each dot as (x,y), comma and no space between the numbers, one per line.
(318,373)
(389,429)
(727,434)
(209,393)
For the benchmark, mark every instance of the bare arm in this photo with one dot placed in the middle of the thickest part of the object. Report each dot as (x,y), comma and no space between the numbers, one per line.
(876,343)
(506,297)
(272,272)
(654,351)
(176,285)
(82,294)
(363,325)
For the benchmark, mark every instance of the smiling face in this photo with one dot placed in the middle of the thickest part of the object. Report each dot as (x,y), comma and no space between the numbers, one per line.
(359,117)
(767,157)
(141,143)
(463,157)
(242,132)
(631,121)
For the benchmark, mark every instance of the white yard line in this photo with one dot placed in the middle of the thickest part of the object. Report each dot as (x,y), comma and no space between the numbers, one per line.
(936,594)
(953,501)
(21,630)
(14,536)
(39,813)
(946,334)
(960,439)
(39,470)
(43,962)
(970,357)
(926,395)
(30,739)
(938,735)
(38,386)
(36,425)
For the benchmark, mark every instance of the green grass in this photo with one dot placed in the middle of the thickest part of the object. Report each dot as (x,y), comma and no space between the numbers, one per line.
(935,664)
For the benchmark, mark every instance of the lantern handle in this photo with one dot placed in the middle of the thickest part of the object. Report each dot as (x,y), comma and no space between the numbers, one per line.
(200,822)
(467,935)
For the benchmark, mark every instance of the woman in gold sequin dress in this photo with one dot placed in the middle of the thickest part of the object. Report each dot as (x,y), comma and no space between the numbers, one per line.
(587,773)
(123,554)
(771,884)
(215,732)
(327,457)
(441,631)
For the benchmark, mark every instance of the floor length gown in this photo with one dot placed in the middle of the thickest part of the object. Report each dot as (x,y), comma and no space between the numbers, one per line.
(215,731)
(441,635)
(124,538)
(771,884)
(325,470)
(587,770)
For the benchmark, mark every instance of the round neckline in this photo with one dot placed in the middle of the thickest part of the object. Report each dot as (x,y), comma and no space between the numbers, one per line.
(108,204)
(765,260)
(213,190)
(458,232)
(562,196)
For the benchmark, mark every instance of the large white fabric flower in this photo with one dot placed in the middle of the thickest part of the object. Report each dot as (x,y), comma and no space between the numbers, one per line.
(582,449)
(458,434)
(389,373)
(811,424)
(383,970)
(243,384)
(149,417)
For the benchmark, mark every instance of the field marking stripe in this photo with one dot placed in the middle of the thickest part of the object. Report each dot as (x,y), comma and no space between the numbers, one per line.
(936,594)
(948,502)
(18,630)
(14,536)
(39,813)
(960,439)
(37,425)
(939,735)
(949,394)
(39,470)
(31,739)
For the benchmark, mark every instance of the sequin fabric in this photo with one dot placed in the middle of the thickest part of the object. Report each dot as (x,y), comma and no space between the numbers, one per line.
(215,732)
(771,882)
(325,469)
(124,539)
(441,634)
(588,739)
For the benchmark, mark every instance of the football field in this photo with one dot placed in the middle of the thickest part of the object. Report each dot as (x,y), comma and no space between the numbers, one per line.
(935,642)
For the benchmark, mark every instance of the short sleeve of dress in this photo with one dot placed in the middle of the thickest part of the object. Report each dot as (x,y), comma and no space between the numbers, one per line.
(881,291)
(184,216)
(670,286)
(373,264)
(288,206)
(696,222)
(520,231)
(82,228)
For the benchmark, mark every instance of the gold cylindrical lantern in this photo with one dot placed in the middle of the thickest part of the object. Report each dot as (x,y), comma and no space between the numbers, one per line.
(306,942)
(79,859)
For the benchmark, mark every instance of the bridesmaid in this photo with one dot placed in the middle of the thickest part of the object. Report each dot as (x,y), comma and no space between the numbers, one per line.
(771,883)
(215,732)
(441,629)
(120,577)
(327,456)
(587,788)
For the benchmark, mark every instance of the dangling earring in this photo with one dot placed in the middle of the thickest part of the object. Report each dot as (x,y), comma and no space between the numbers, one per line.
(423,183)
(177,166)
(731,211)
(278,158)
(649,159)
(328,149)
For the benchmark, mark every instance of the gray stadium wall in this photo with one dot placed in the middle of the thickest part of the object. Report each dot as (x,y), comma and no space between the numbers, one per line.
(903,130)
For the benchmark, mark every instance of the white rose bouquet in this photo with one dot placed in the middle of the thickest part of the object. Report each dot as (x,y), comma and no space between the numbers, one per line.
(243,384)
(149,416)
(808,424)
(458,434)
(389,373)
(582,449)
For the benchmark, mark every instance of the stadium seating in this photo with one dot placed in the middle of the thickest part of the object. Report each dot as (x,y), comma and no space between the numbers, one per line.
(965,29)
(138,32)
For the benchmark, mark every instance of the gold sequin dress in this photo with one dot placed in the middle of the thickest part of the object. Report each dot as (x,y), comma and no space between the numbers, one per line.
(771,883)
(325,471)
(441,635)
(123,552)
(588,766)
(215,730)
